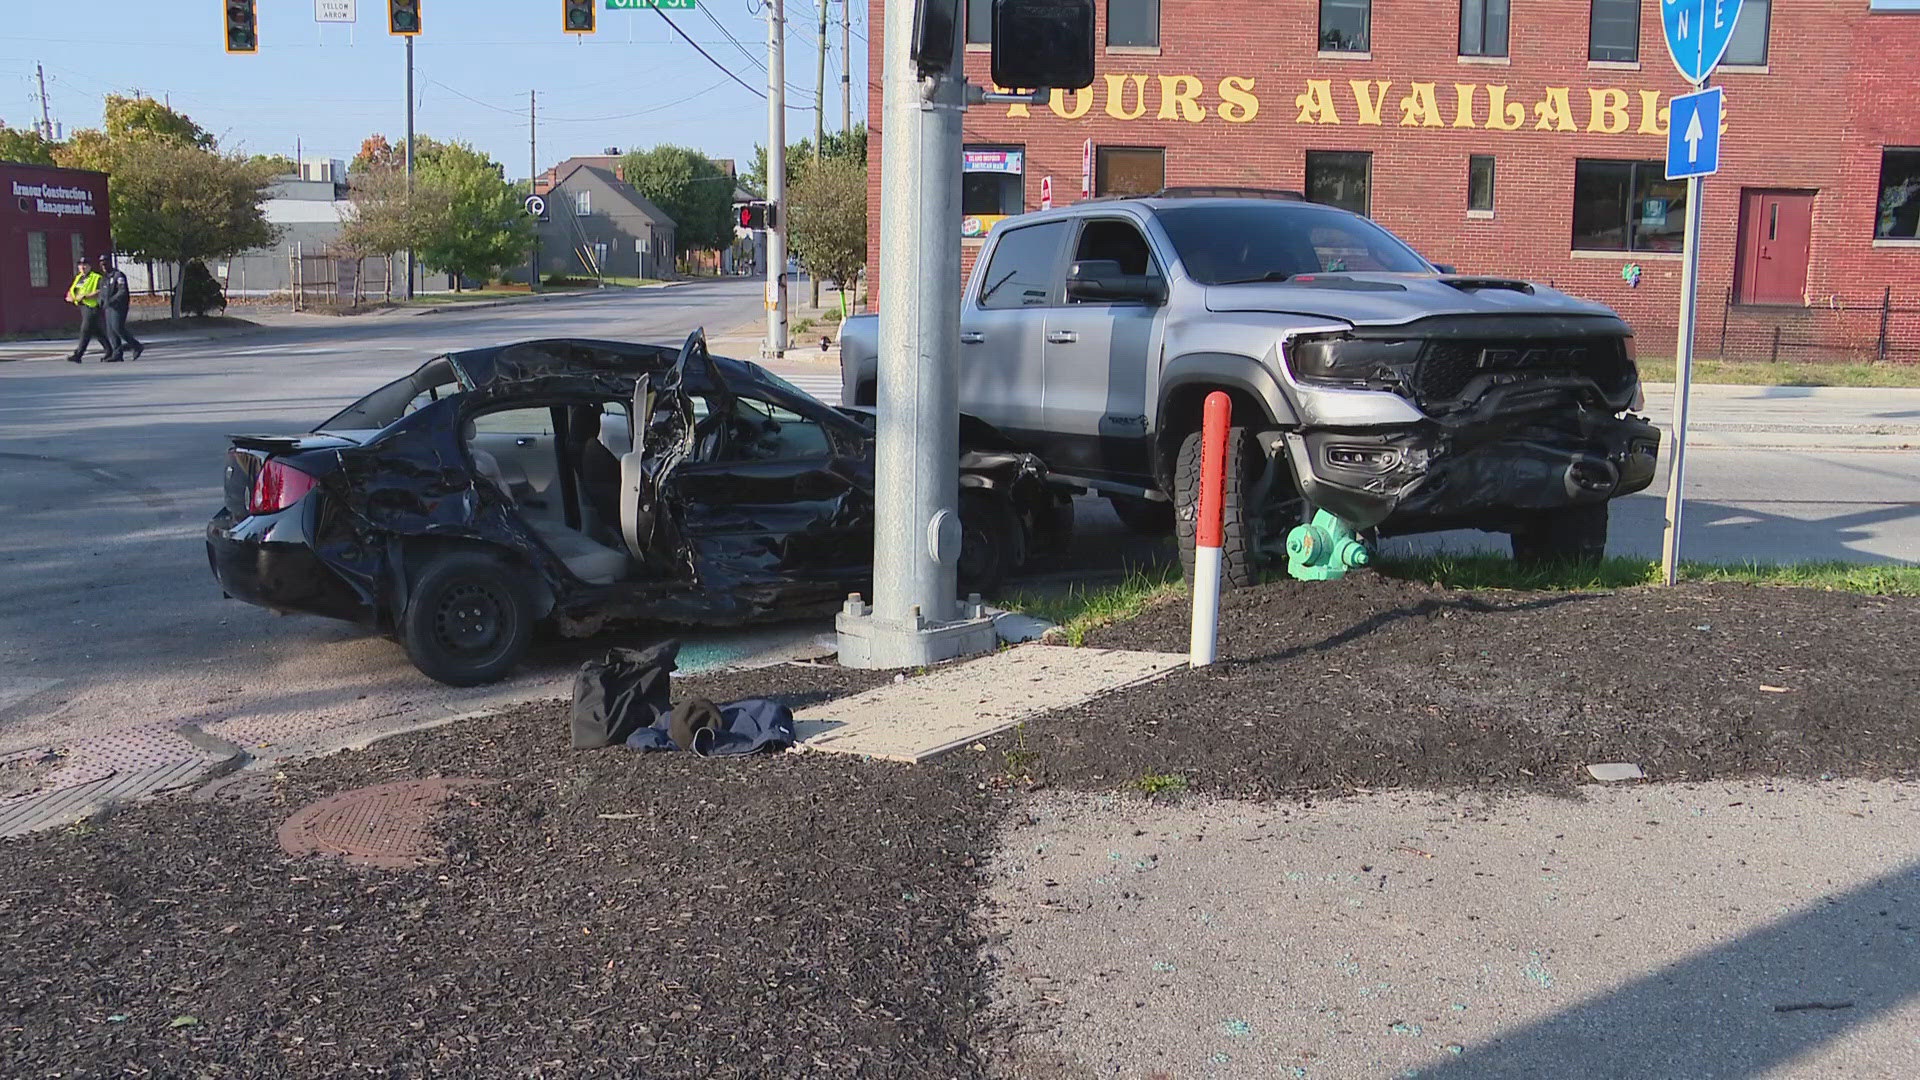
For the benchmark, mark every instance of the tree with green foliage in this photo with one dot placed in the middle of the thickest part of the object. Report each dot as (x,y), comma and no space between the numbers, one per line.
(828,220)
(179,202)
(143,117)
(276,164)
(476,225)
(693,191)
(24,146)
(848,145)
(386,219)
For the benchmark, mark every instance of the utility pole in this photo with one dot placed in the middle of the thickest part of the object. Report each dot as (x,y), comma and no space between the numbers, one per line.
(777,177)
(46,114)
(915,618)
(533,183)
(846,67)
(409,290)
(819,120)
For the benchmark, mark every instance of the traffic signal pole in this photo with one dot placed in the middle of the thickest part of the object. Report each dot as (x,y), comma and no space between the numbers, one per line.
(916,618)
(533,181)
(777,178)
(409,291)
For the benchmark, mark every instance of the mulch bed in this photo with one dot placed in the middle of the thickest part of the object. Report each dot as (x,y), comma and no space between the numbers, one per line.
(597,913)
(1375,682)
(611,913)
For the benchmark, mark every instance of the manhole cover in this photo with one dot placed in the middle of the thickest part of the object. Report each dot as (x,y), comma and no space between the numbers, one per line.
(384,826)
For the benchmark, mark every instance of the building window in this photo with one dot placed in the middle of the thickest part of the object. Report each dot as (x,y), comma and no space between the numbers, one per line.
(79,245)
(1480,183)
(37,275)
(1341,178)
(1627,206)
(1133,23)
(1899,195)
(979,22)
(582,203)
(1129,170)
(992,186)
(1483,27)
(1614,33)
(1749,44)
(1346,25)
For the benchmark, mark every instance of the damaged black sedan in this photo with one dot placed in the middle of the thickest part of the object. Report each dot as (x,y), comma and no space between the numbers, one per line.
(575,483)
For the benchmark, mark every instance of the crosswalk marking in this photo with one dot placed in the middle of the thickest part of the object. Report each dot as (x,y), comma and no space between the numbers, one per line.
(823,385)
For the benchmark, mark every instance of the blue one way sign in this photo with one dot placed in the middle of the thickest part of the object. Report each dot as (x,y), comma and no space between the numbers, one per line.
(1693,135)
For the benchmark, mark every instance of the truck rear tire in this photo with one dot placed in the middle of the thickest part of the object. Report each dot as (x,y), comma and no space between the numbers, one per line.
(1237,562)
(1572,534)
(993,544)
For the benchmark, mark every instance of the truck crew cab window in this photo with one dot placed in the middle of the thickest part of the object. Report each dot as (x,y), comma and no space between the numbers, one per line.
(1024,267)
(1120,241)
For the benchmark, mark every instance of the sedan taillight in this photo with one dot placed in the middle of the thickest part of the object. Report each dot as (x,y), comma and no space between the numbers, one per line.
(276,487)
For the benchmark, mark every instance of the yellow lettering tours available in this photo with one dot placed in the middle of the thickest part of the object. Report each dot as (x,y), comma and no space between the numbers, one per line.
(1180,98)
(1117,96)
(1238,105)
(1608,111)
(1370,95)
(1316,105)
(1420,108)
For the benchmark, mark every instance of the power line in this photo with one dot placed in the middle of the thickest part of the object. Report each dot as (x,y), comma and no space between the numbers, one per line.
(696,45)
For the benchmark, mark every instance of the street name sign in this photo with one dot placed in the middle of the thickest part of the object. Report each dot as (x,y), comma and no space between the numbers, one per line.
(626,5)
(1698,33)
(1693,134)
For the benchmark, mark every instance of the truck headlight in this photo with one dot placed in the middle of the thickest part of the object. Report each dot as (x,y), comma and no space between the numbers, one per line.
(1343,359)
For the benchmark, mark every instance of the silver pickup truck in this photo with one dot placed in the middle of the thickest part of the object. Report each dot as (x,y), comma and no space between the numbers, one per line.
(1370,387)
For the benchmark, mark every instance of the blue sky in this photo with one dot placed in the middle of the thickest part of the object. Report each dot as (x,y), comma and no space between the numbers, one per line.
(634,84)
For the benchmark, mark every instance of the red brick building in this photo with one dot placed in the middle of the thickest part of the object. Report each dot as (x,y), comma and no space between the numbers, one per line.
(1529,144)
(49,218)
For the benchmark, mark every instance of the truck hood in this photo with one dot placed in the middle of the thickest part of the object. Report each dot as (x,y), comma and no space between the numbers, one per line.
(1391,299)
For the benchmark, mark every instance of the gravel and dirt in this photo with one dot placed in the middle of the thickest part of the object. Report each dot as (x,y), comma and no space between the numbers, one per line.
(604,912)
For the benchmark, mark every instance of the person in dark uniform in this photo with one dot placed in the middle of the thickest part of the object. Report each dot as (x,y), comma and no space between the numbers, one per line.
(84,293)
(116,298)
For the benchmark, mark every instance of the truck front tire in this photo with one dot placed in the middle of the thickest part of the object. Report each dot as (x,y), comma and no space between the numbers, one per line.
(1237,562)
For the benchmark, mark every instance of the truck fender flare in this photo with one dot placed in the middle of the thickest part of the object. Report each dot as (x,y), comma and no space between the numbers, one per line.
(1229,372)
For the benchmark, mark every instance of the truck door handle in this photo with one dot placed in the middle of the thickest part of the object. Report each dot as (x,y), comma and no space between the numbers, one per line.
(1062,337)
(523,440)
(972,337)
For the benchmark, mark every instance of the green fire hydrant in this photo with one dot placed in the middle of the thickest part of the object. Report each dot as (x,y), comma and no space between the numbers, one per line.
(1324,549)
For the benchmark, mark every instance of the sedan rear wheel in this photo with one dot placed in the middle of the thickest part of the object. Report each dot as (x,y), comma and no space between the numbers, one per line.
(468,621)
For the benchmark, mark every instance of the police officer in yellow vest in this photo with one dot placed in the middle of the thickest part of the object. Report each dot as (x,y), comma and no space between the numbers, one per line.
(85,293)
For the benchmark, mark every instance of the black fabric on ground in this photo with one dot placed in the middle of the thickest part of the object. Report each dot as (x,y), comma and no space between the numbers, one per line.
(627,690)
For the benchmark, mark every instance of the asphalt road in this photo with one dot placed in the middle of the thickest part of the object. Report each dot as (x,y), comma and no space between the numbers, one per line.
(110,623)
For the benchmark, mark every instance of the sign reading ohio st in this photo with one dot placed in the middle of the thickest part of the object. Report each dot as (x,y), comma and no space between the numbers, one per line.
(1238,99)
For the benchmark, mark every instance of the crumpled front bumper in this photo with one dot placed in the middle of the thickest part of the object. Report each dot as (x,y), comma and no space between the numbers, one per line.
(1484,476)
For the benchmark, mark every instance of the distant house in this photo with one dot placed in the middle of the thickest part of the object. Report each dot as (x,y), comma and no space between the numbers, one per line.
(597,224)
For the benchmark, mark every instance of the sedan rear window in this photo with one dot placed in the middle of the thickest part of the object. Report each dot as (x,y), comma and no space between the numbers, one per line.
(434,380)
(1225,244)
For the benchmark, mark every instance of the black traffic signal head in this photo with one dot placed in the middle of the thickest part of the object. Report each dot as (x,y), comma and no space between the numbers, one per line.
(579,17)
(403,17)
(936,29)
(1043,44)
(243,35)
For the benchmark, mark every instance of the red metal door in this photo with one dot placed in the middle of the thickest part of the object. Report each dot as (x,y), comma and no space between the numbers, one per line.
(1776,234)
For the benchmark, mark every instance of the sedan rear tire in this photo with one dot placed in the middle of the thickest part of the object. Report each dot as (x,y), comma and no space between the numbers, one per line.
(468,620)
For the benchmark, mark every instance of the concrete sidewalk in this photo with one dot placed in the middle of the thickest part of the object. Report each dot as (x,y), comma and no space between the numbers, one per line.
(1680,931)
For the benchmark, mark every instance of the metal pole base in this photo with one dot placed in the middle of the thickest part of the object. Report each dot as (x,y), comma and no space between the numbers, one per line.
(872,643)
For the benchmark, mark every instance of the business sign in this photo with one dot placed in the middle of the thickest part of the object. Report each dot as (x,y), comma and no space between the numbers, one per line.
(1086,160)
(536,206)
(54,200)
(1698,33)
(977,226)
(993,161)
(1046,193)
(1693,135)
(334,11)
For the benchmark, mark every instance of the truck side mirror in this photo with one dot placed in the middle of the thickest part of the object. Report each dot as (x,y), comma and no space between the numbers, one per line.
(1043,44)
(1446,268)
(1102,280)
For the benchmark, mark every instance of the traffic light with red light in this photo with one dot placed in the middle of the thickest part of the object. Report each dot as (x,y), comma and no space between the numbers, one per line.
(580,17)
(243,35)
(403,17)
(757,216)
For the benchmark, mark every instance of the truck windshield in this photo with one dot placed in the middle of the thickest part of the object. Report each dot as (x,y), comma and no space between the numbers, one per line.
(1233,243)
